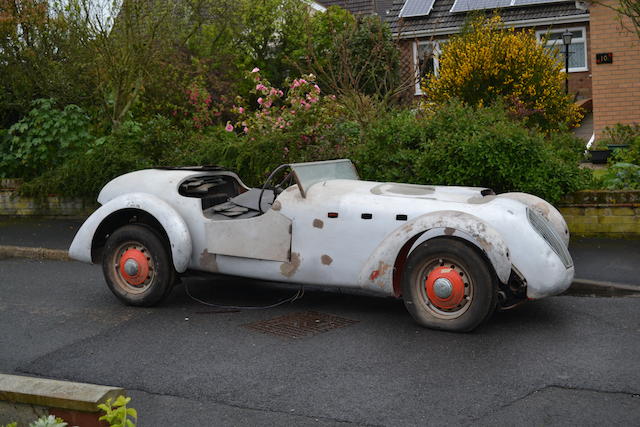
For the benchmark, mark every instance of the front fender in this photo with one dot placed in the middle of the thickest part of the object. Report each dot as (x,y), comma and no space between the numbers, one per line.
(545,209)
(378,270)
(171,221)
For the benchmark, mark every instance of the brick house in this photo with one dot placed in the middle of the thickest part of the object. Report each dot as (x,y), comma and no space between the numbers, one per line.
(423,26)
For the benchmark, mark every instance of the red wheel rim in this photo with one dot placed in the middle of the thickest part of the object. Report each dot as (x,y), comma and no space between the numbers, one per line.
(445,288)
(134,267)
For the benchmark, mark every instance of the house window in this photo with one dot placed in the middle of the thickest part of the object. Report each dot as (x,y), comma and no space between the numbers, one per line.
(426,62)
(552,40)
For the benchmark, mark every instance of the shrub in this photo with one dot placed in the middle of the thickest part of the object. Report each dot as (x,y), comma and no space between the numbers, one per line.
(622,176)
(623,135)
(294,124)
(43,139)
(117,414)
(85,173)
(462,145)
(488,62)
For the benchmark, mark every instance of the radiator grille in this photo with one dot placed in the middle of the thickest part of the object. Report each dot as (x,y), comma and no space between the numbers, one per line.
(544,228)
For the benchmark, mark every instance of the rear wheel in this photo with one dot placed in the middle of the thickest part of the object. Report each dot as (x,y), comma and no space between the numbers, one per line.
(448,285)
(137,266)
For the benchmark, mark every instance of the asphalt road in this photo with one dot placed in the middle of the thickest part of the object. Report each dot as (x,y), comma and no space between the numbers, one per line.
(562,360)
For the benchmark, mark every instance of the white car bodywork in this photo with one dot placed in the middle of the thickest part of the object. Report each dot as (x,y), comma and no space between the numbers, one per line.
(343,232)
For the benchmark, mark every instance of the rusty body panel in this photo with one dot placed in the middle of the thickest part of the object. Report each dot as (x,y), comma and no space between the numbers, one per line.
(340,232)
(266,237)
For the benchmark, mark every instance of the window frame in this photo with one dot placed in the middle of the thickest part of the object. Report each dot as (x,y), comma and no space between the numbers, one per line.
(541,33)
(436,60)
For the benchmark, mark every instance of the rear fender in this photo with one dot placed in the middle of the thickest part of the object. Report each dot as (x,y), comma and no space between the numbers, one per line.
(172,223)
(383,269)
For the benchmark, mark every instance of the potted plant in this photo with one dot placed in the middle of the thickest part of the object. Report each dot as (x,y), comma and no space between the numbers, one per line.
(599,151)
(620,135)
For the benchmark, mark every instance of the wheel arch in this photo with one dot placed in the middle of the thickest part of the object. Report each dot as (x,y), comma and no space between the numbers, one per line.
(119,219)
(139,208)
(384,268)
(415,241)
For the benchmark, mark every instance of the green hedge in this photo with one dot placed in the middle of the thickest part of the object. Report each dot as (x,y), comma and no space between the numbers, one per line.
(457,145)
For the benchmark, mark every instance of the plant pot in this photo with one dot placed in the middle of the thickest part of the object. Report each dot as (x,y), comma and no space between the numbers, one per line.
(599,156)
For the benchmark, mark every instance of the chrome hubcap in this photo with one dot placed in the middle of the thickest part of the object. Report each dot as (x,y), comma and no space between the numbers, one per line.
(131,267)
(442,288)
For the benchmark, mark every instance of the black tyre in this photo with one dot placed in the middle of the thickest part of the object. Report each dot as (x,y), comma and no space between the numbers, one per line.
(137,266)
(447,285)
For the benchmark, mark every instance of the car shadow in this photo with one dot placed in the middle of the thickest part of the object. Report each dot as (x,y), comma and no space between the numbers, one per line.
(229,293)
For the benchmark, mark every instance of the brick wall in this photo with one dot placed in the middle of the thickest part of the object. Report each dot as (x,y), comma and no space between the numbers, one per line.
(603,213)
(616,87)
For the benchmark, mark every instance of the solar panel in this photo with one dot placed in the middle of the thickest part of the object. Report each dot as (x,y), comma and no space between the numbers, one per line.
(416,8)
(468,5)
(533,2)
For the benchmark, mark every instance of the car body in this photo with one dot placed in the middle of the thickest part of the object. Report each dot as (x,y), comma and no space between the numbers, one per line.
(329,228)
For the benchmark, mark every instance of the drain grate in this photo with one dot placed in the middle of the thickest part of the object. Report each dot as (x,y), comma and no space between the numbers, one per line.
(300,325)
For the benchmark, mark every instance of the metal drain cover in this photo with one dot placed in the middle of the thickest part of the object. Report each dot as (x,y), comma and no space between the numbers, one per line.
(300,325)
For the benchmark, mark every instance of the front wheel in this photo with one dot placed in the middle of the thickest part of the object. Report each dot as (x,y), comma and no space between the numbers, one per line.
(137,266)
(448,285)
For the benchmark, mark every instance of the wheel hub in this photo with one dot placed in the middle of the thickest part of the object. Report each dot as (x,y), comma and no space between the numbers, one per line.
(442,288)
(134,267)
(131,267)
(445,288)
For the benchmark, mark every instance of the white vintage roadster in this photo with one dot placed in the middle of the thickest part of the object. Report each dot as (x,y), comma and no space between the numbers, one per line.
(453,254)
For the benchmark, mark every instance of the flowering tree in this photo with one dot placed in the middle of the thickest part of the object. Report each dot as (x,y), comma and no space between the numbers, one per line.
(488,62)
(300,107)
(290,124)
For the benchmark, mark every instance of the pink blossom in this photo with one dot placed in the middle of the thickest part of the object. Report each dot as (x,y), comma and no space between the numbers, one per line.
(245,129)
(280,93)
(317,88)
(240,110)
(307,106)
(267,104)
(260,101)
(303,81)
(255,70)
(229,127)
(295,84)
(273,91)
(261,87)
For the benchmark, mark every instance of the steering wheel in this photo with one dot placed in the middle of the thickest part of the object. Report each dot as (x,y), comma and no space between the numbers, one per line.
(278,188)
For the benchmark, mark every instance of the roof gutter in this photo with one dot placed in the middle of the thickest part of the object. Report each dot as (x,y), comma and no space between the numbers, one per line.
(516,24)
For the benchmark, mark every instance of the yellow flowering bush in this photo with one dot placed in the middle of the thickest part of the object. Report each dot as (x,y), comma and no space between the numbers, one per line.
(487,62)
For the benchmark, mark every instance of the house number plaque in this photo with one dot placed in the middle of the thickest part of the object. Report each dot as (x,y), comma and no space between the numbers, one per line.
(604,58)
